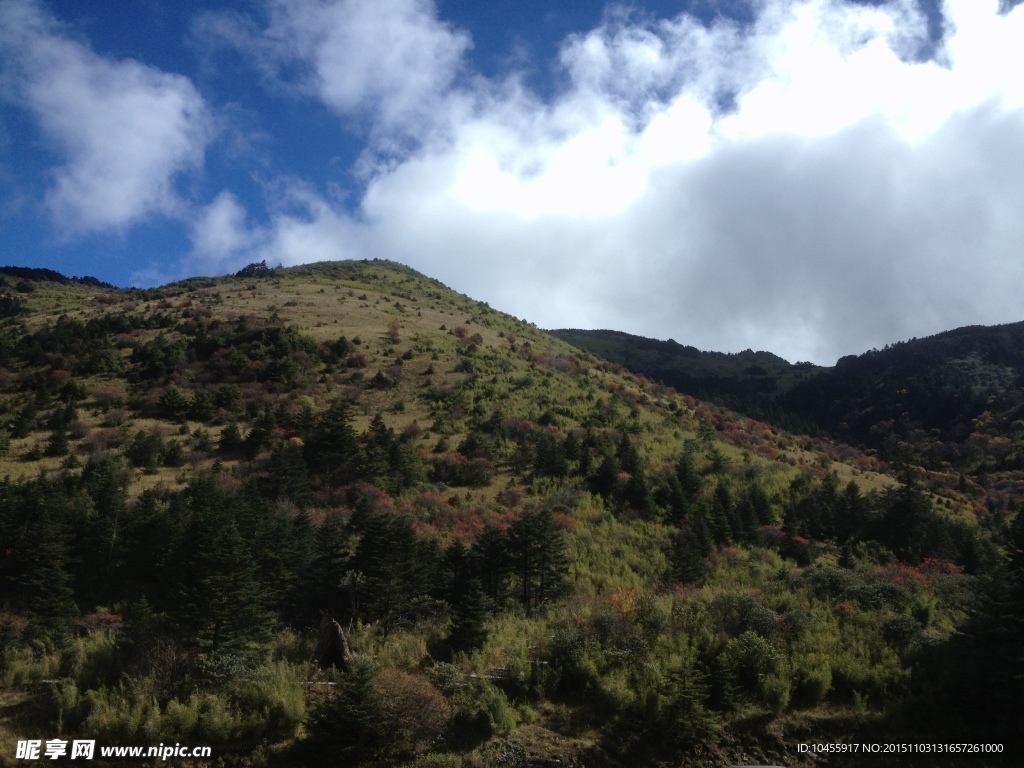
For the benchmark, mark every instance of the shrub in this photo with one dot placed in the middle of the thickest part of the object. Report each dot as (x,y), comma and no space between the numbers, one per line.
(812,678)
(412,711)
(128,714)
(500,714)
(273,700)
(758,669)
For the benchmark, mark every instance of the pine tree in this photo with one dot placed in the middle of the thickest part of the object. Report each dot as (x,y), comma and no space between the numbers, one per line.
(332,447)
(724,522)
(550,458)
(261,433)
(288,476)
(230,438)
(39,581)
(375,454)
(58,444)
(346,729)
(537,551)
(675,501)
(690,548)
(689,478)
(328,591)
(491,552)
(605,478)
(469,616)
(221,598)
(395,567)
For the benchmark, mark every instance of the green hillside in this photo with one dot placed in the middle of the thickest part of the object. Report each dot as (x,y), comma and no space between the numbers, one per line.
(951,404)
(536,556)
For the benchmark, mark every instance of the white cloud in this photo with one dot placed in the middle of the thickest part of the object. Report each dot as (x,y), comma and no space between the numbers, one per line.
(303,227)
(389,62)
(851,195)
(126,130)
(220,234)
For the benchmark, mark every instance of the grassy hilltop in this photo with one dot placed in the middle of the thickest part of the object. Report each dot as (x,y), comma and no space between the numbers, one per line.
(538,557)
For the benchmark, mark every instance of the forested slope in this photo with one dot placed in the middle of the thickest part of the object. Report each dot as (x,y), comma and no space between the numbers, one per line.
(535,555)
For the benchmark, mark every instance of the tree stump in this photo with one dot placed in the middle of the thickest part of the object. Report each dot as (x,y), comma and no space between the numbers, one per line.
(333,650)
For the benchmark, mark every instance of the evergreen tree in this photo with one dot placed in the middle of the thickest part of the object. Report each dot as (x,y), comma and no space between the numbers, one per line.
(375,454)
(606,477)
(690,481)
(332,447)
(330,590)
(724,520)
(396,569)
(469,616)
(221,599)
(854,515)
(754,509)
(58,444)
(230,438)
(537,551)
(346,729)
(260,435)
(287,475)
(675,501)
(688,557)
(550,458)
(683,716)
(38,582)
(491,552)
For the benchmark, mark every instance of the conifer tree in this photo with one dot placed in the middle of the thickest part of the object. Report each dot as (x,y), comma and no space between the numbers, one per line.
(723,515)
(605,478)
(332,447)
(469,616)
(538,554)
(550,458)
(37,575)
(346,728)
(395,568)
(674,501)
(375,455)
(328,590)
(230,438)
(221,597)
(494,567)
(288,476)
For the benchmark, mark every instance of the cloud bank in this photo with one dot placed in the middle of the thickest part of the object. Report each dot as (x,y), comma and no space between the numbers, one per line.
(809,184)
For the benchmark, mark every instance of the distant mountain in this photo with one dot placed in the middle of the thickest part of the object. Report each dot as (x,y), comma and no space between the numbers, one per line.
(954,399)
(950,401)
(749,382)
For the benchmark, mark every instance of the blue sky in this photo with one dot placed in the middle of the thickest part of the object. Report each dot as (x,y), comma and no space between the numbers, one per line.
(813,177)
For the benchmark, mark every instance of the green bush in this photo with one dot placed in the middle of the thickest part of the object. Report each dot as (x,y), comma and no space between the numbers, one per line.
(812,678)
(273,700)
(500,714)
(128,714)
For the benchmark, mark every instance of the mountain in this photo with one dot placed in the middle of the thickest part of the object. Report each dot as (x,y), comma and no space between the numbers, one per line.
(748,381)
(533,555)
(952,402)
